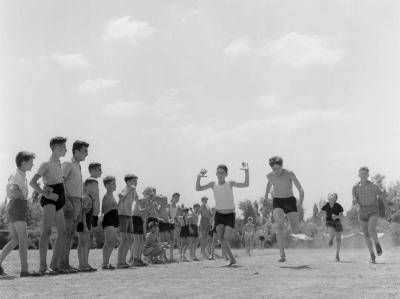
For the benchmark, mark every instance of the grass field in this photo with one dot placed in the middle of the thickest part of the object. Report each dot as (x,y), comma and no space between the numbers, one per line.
(306,274)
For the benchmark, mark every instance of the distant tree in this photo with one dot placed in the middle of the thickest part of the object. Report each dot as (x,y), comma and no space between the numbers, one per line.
(247,209)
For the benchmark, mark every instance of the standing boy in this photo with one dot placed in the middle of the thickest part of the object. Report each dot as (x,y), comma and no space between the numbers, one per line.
(74,192)
(52,200)
(174,211)
(109,208)
(17,192)
(225,203)
(205,225)
(125,203)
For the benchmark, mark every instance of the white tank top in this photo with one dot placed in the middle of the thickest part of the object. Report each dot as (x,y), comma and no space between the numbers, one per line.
(223,195)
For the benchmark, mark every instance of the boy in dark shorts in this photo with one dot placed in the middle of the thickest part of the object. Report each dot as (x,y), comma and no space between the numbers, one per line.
(284,202)
(334,214)
(74,192)
(184,234)
(52,199)
(139,212)
(125,203)
(194,232)
(85,225)
(95,173)
(17,193)
(225,203)
(109,209)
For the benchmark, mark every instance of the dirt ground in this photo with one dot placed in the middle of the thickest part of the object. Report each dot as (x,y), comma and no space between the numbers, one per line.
(306,274)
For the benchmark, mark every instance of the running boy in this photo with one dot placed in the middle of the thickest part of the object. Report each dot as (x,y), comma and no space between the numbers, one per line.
(284,203)
(334,213)
(205,225)
(17,193)
(85,225)
(74,192)
(110,221)
(225,203)
(248,232)
(366,195)
(52,200)
(126,199)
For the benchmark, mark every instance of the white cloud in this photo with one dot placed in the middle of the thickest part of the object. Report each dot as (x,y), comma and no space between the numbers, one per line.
(267,101)
(70,60)
(167,107)
(93,86)
(237,47)
(127,27)
(299,50)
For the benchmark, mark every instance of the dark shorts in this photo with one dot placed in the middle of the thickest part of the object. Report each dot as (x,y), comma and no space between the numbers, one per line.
(225,219)
(337,225)
(89,222)
(125,224)
(195,229)
(60,202)
(111,219)
(137,223)
(151,219)
(288,205)
(262,238)
(171,227)
(95,220)
(17,210)
(185,232)
(367,212)
(163,227)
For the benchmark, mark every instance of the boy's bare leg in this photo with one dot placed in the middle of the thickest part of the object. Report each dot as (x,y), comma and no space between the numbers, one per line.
(224,244)
(11,244)
(364,228)
(338,243)
(293,218)
(49,212)
(279,218)
(121,249)
(109,243)
(80,250)
(59,244)
(70,226)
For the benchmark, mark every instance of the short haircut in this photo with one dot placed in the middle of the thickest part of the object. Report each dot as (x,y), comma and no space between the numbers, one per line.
(90,181)
(196,205)
(108,179)
(152,224)
(275,161)
(364,168)
(78,145)
(130,177)
(333,194)
(94,166)
(57,141)
(176,194)
(204,198)
(185,210)
(223,167)
(23,157)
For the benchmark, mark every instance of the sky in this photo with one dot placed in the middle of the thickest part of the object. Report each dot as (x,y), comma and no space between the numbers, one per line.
(164,88)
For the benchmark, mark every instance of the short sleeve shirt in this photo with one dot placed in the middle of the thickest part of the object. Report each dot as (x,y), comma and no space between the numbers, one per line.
(335,210)
(19,179)
(72,179)
(367,194)
(51,172)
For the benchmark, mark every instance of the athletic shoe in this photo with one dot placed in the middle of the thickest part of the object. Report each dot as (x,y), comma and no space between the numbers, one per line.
(373,257)
(330,243)
(1,270)
(108,267)
(211,258)
(378,249)
(282,259)
(92,269)
(48,272)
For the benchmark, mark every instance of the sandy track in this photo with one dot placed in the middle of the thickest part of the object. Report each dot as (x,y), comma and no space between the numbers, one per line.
(309,274)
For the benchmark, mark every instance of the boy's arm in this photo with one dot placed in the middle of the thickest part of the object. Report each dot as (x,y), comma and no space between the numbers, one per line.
(246,183)
(355,199)
(66,170)
(47,191)
(298,186)
(199,187)
(13,191)
(268,190)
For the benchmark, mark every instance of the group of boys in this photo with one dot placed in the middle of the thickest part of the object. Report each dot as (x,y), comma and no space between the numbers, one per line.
(73,205)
